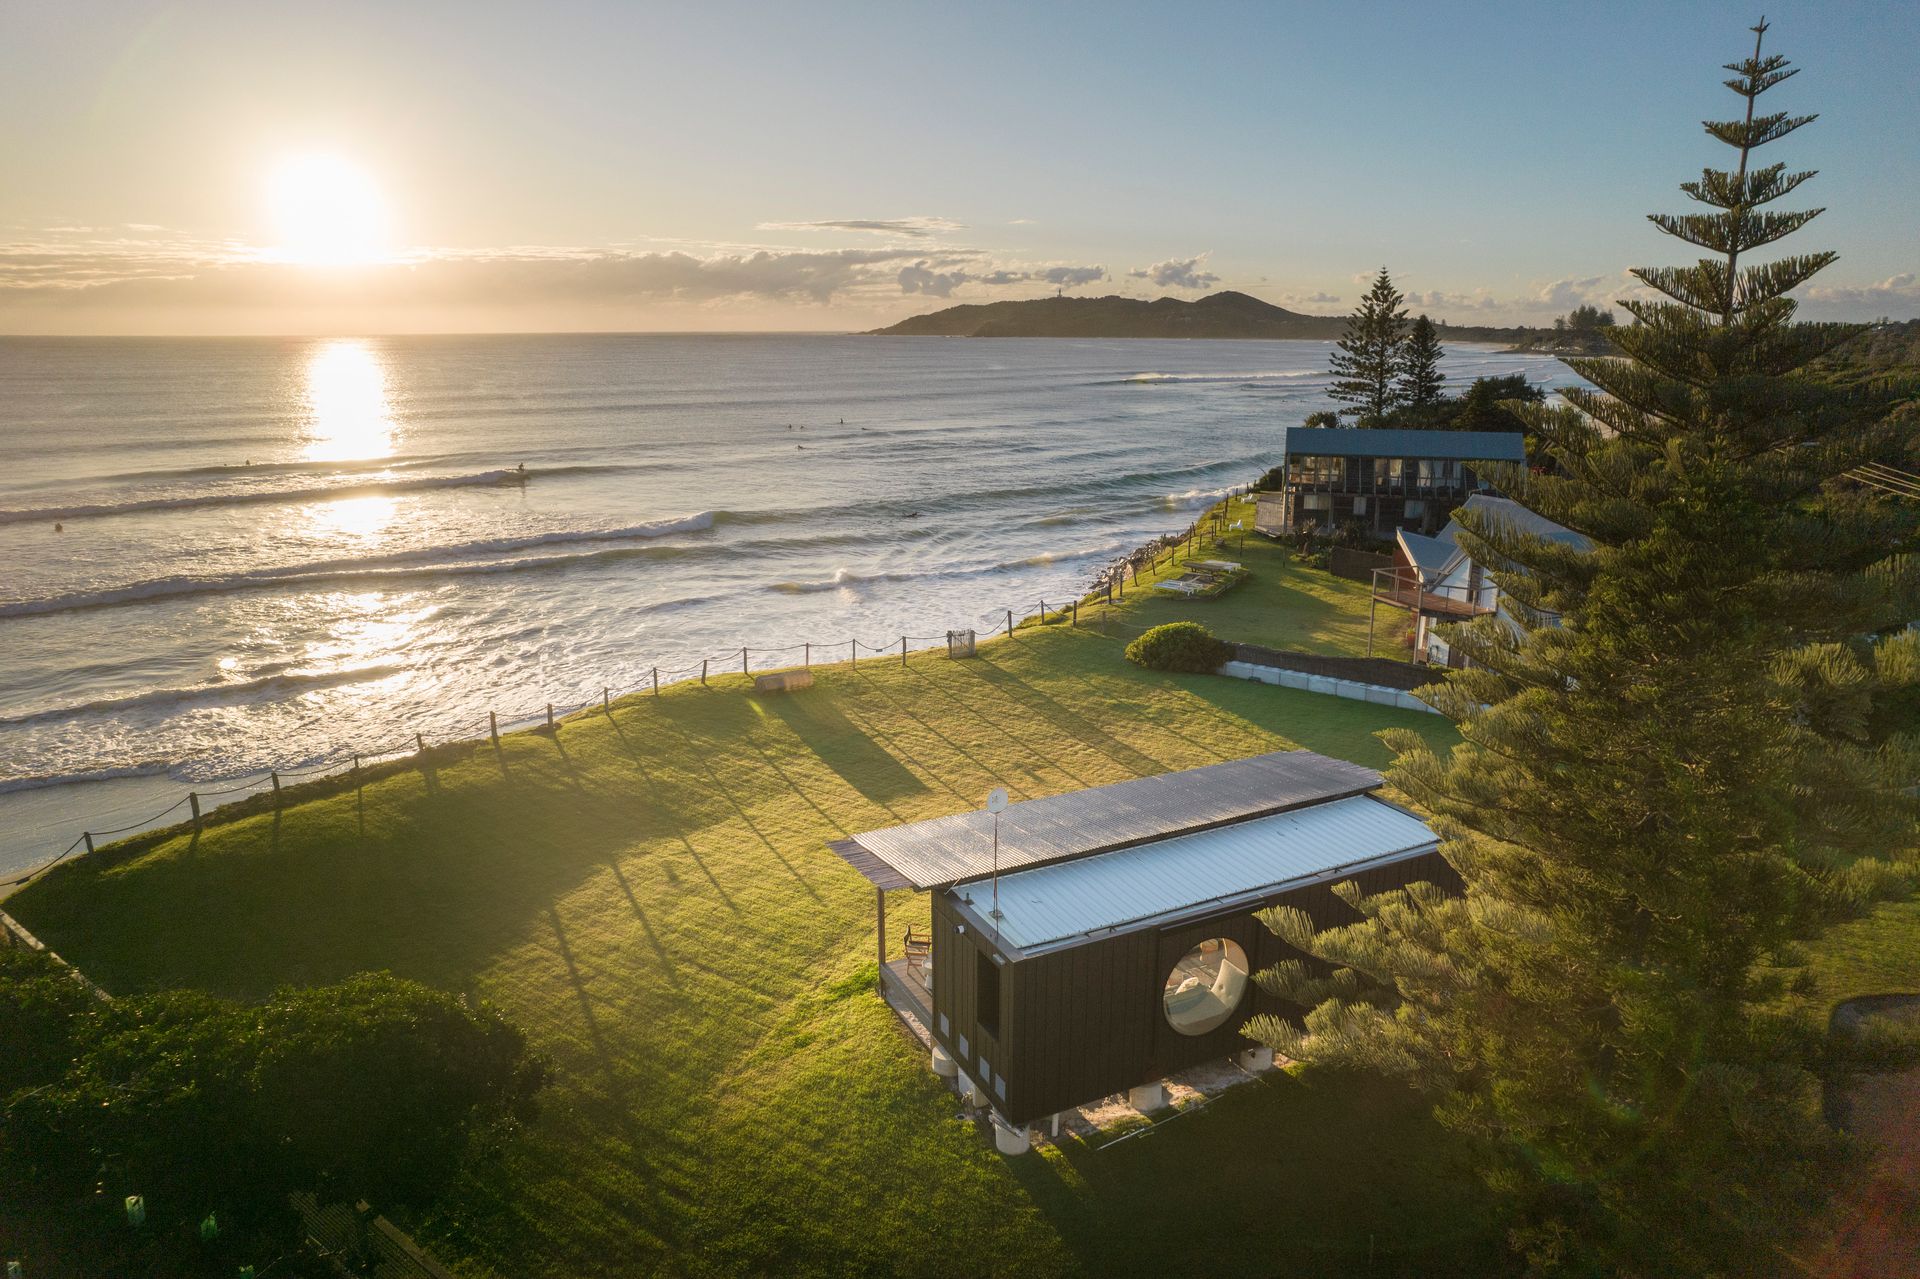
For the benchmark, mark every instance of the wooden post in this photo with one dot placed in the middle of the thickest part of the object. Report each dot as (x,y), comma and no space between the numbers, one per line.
(656,681)
(493,730)
(743,659)
(420,740)
(1009,623)
(550,727)
(703,672)
(275,774)
(606,700)
(880,903)
(853,646)
(193,802)
(356,768)
(903,650)
(806,658)
(1373,603)
(1076,614)
(89,838)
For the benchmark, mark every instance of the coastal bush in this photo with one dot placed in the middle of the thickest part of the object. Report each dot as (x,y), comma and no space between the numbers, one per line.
(1179,646)
(374,1087)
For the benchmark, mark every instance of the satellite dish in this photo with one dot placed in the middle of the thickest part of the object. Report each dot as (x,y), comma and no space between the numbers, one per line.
(997,800)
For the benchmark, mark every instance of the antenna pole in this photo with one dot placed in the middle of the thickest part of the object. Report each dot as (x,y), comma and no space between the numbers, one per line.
(996,873)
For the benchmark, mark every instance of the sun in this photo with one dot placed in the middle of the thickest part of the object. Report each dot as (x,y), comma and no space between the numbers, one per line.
(327,211)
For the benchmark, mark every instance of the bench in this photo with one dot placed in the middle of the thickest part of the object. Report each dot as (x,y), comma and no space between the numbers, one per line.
(783,681)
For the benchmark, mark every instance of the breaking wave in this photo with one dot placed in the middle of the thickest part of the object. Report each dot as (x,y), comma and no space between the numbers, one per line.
(428,562)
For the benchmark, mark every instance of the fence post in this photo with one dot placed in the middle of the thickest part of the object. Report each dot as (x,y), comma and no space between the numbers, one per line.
(356,768)
(806,658)
(193,802)
(703,672)
(853,647)
(550,725)
(743,659)
(275,774)
(1076,614)
(420,740)
(1043,612)
(1009,623)
(903,650)
(606,700)
(493,731)
(86,835)
(656,681)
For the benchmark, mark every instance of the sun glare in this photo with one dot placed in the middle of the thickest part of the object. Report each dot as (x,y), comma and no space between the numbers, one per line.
(327,211)
(347,413)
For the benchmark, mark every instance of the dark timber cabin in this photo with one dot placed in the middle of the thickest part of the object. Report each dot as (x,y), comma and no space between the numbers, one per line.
(1125,938)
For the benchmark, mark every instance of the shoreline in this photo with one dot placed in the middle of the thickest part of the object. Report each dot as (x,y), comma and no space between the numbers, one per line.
(241,794)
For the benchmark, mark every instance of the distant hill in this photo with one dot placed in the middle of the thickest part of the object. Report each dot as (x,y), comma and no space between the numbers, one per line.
(1218,315)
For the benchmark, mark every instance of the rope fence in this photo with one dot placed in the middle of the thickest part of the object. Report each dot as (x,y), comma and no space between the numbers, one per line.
(1109,587)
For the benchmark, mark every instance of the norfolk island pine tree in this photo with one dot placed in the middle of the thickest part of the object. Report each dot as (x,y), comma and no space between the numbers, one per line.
(1658,799)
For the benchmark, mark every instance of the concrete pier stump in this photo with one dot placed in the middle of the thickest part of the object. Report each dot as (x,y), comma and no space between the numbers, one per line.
(1146,1097)
(1255,1060)
(1008,1139)
(943,1063)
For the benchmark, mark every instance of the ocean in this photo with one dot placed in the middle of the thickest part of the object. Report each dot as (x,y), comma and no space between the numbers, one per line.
(224,556)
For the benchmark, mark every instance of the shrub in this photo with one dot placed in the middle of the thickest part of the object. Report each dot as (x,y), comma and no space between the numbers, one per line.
(1179,646)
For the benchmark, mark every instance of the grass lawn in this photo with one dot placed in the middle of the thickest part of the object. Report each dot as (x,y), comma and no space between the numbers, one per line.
(649,896)
(1282,604)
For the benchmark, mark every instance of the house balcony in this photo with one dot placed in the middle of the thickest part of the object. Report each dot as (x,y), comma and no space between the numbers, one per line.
(1401,587)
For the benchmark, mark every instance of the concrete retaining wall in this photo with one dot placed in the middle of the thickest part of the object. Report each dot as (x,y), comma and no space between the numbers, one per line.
(1378,694)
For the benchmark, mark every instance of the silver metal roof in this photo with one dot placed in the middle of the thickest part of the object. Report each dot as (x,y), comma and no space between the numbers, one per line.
(1049,904)
(947,850)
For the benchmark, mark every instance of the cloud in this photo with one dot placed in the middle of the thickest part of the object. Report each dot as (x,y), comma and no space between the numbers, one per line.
(1070,277)
(1020,222)
(1896,292)
(911,228)
(919,278)
(1178,273)
(1311,299)
(69,281)
(927,277)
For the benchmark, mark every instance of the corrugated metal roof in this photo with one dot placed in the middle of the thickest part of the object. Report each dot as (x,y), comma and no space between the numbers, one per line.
(1506,511)
(947,850)
(1430,555)
(1465,446)
(1049,904)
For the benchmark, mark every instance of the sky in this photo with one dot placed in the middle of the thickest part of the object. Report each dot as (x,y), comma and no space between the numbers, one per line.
(415,166)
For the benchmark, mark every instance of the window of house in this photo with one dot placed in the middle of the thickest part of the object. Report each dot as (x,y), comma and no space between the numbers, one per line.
(1389,472)
(1206,986)
(987,993)
(1415,508)
(1359,506)
(1319,470)
(1316,501)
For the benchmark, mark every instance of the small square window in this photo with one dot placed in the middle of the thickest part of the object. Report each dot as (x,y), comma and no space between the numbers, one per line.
(945,1028)
(961,1044)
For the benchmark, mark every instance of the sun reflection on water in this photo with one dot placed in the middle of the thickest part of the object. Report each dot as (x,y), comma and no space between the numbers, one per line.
(348,416)
(359,518)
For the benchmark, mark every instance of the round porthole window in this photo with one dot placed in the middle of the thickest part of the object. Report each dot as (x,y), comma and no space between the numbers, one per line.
(1205,986)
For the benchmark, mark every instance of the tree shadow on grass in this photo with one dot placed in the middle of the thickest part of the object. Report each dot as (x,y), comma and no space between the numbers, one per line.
(1333,1174)
(845,748)
(1070,721)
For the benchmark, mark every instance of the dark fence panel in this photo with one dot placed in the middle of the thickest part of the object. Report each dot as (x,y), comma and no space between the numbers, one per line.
(1366,670)
(1358,566)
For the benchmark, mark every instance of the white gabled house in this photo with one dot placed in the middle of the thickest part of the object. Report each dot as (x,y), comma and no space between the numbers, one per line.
(1437,581)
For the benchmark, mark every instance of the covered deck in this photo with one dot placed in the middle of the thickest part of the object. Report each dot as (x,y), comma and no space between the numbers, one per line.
(906,986)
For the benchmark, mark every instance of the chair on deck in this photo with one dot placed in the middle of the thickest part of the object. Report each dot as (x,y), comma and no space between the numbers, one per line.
(919,950)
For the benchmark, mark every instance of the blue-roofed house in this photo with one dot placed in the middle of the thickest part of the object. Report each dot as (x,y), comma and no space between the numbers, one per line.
(1093,943)
(1382,479)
